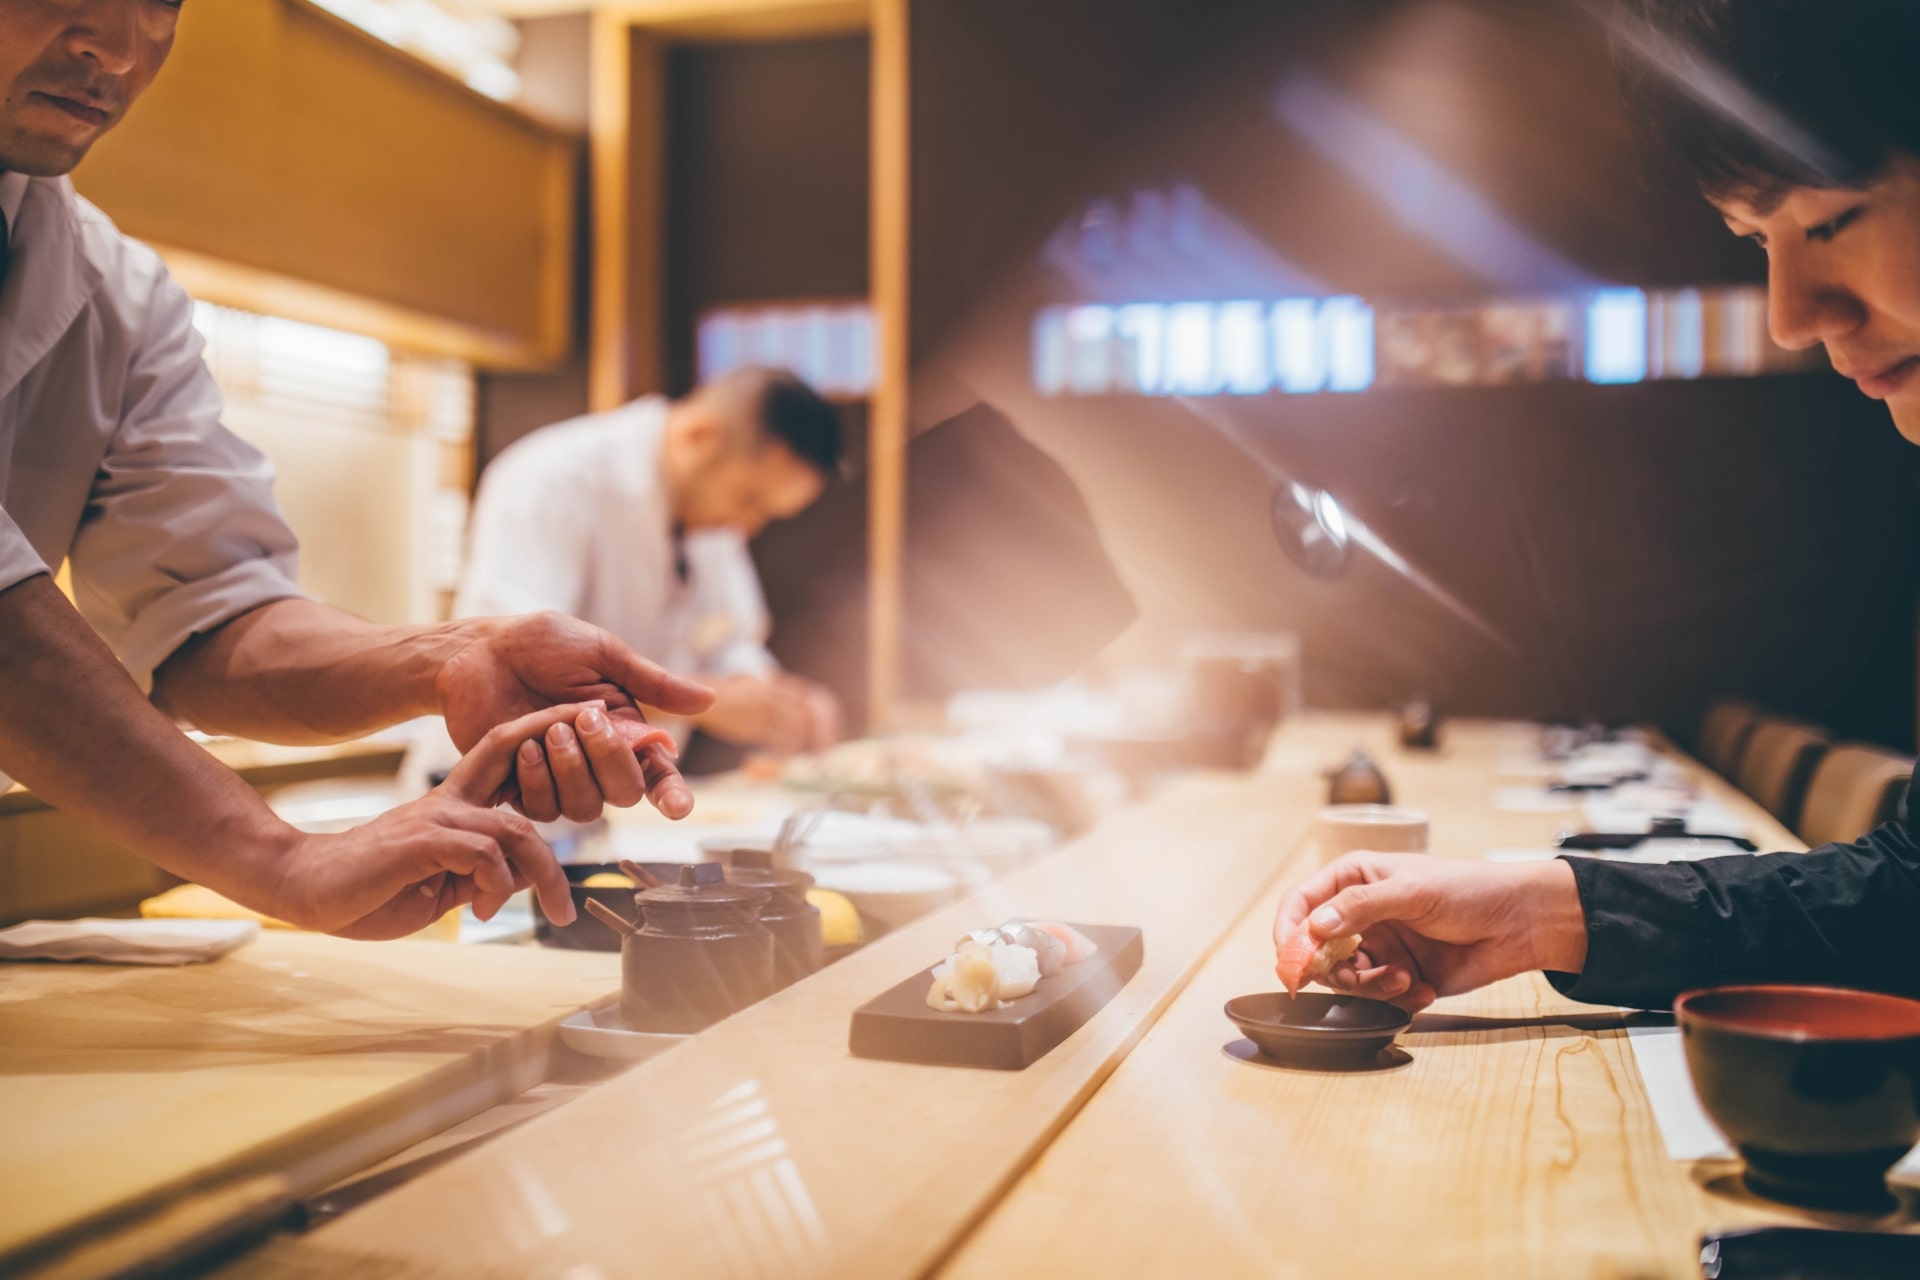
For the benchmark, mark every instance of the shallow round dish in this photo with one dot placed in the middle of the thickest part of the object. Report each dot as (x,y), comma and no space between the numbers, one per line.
(1815,1086)
(1317,1027)
(602,1033)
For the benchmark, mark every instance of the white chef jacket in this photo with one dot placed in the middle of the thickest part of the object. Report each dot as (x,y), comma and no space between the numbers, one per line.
(576,517)
(112,454)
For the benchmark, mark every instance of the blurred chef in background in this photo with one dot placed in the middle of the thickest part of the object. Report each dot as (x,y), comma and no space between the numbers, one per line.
(637,520)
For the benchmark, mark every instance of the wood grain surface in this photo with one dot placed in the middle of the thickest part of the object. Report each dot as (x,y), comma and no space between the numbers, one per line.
(763,1148)
(129,1091)
(1509,1136)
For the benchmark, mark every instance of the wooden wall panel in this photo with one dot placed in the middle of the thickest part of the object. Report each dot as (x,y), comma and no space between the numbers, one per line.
(295,161)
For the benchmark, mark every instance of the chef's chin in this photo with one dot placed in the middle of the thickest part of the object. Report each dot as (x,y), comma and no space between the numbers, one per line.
(40,154)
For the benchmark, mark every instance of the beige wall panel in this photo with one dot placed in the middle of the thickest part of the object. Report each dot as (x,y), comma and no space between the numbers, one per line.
(280,140)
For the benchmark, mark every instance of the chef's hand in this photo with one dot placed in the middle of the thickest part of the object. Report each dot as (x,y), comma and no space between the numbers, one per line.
(411,865)
(780,713)
(511,666)
(1432,927)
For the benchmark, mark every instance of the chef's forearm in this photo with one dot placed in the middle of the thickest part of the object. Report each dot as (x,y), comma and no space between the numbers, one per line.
(75,729)
(297,671)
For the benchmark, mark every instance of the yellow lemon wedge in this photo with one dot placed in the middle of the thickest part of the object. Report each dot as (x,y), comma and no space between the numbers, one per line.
(607,880)
(839,923)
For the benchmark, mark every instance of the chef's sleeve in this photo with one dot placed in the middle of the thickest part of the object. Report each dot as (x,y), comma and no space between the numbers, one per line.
(1840,915)
(18,560)
(528,542)
(181,533)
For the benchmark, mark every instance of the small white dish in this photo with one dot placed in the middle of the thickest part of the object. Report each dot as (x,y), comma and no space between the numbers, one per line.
(600,1032)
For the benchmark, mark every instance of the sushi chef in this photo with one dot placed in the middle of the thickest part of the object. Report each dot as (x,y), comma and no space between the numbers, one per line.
(114,461)
(1799,120)
(637,520)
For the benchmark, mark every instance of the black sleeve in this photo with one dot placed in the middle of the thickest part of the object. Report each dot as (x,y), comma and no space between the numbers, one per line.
(1841,915)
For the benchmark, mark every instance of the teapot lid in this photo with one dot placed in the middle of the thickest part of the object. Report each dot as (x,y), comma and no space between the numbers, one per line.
(703,885)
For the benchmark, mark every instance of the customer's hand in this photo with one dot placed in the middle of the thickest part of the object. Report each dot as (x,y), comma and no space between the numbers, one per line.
(408,867)
(511,666)
(1432,927)
(780,713)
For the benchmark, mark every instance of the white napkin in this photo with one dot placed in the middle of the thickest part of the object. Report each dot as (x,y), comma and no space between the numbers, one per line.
(1690,1134)
(126,941)
(1624,813)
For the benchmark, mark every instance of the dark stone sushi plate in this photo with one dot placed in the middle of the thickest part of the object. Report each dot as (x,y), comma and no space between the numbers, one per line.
(899,1027)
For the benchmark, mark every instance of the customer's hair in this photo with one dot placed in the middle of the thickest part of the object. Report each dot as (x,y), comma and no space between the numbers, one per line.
(1747,98)
(783,408)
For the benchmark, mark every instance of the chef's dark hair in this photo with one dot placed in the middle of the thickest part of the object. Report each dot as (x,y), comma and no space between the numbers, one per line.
(1747,98)
(790,411)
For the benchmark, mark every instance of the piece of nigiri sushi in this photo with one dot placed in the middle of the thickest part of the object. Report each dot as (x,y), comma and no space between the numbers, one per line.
(973,982)
(1079,946)
(977,977)
(1304,959)
(1049,950)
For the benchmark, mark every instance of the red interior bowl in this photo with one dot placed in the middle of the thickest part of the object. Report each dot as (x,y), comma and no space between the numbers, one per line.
(1804,1013)
(1818,1087)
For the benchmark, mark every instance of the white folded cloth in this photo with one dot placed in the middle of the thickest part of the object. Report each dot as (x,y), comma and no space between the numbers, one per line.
(126,941)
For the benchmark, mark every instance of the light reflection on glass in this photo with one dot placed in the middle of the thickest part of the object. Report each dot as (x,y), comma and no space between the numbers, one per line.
(1303,345)
(1241,340)
(1299,347)
(1617,336)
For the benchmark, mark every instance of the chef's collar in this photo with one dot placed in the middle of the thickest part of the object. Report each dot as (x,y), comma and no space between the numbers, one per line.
(13,193)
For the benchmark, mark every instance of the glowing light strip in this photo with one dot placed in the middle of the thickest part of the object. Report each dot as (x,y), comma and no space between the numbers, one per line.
(1303,346)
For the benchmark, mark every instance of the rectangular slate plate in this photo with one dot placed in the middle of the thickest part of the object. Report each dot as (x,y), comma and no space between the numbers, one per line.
(899,1027)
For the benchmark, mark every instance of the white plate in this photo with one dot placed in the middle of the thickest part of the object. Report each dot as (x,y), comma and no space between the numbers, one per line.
(600,1033)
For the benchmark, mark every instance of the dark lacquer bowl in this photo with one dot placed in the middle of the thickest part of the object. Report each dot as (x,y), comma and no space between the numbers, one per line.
(1318,1028)
(588,932)
(1814,1085)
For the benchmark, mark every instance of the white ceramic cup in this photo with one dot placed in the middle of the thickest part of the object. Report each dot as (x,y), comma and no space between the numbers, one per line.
(1377,828)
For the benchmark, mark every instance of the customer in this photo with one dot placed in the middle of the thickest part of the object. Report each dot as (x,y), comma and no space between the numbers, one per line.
(1800,121)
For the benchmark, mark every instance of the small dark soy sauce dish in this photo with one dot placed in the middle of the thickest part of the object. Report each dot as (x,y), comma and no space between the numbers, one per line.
(1815,1086)
(1318,1028)
(588,932)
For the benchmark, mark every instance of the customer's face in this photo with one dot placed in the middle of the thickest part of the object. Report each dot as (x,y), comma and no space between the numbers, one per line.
(69,70)
(1843,269)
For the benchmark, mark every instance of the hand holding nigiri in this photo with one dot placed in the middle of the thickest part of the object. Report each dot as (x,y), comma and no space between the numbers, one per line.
(1409,928)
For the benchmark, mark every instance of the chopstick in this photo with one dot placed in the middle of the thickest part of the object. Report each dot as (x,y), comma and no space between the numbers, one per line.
(640,875)
(611,918)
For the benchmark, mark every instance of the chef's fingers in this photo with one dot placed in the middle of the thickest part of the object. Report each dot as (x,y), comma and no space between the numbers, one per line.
(527,858)
(538,799)
(615,767)
(572,777)
(665,787)
(648,684)
(482,773)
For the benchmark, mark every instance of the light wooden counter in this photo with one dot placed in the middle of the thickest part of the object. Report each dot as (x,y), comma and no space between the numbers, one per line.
(1512,1137)
(762,1148)
(140,1106)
